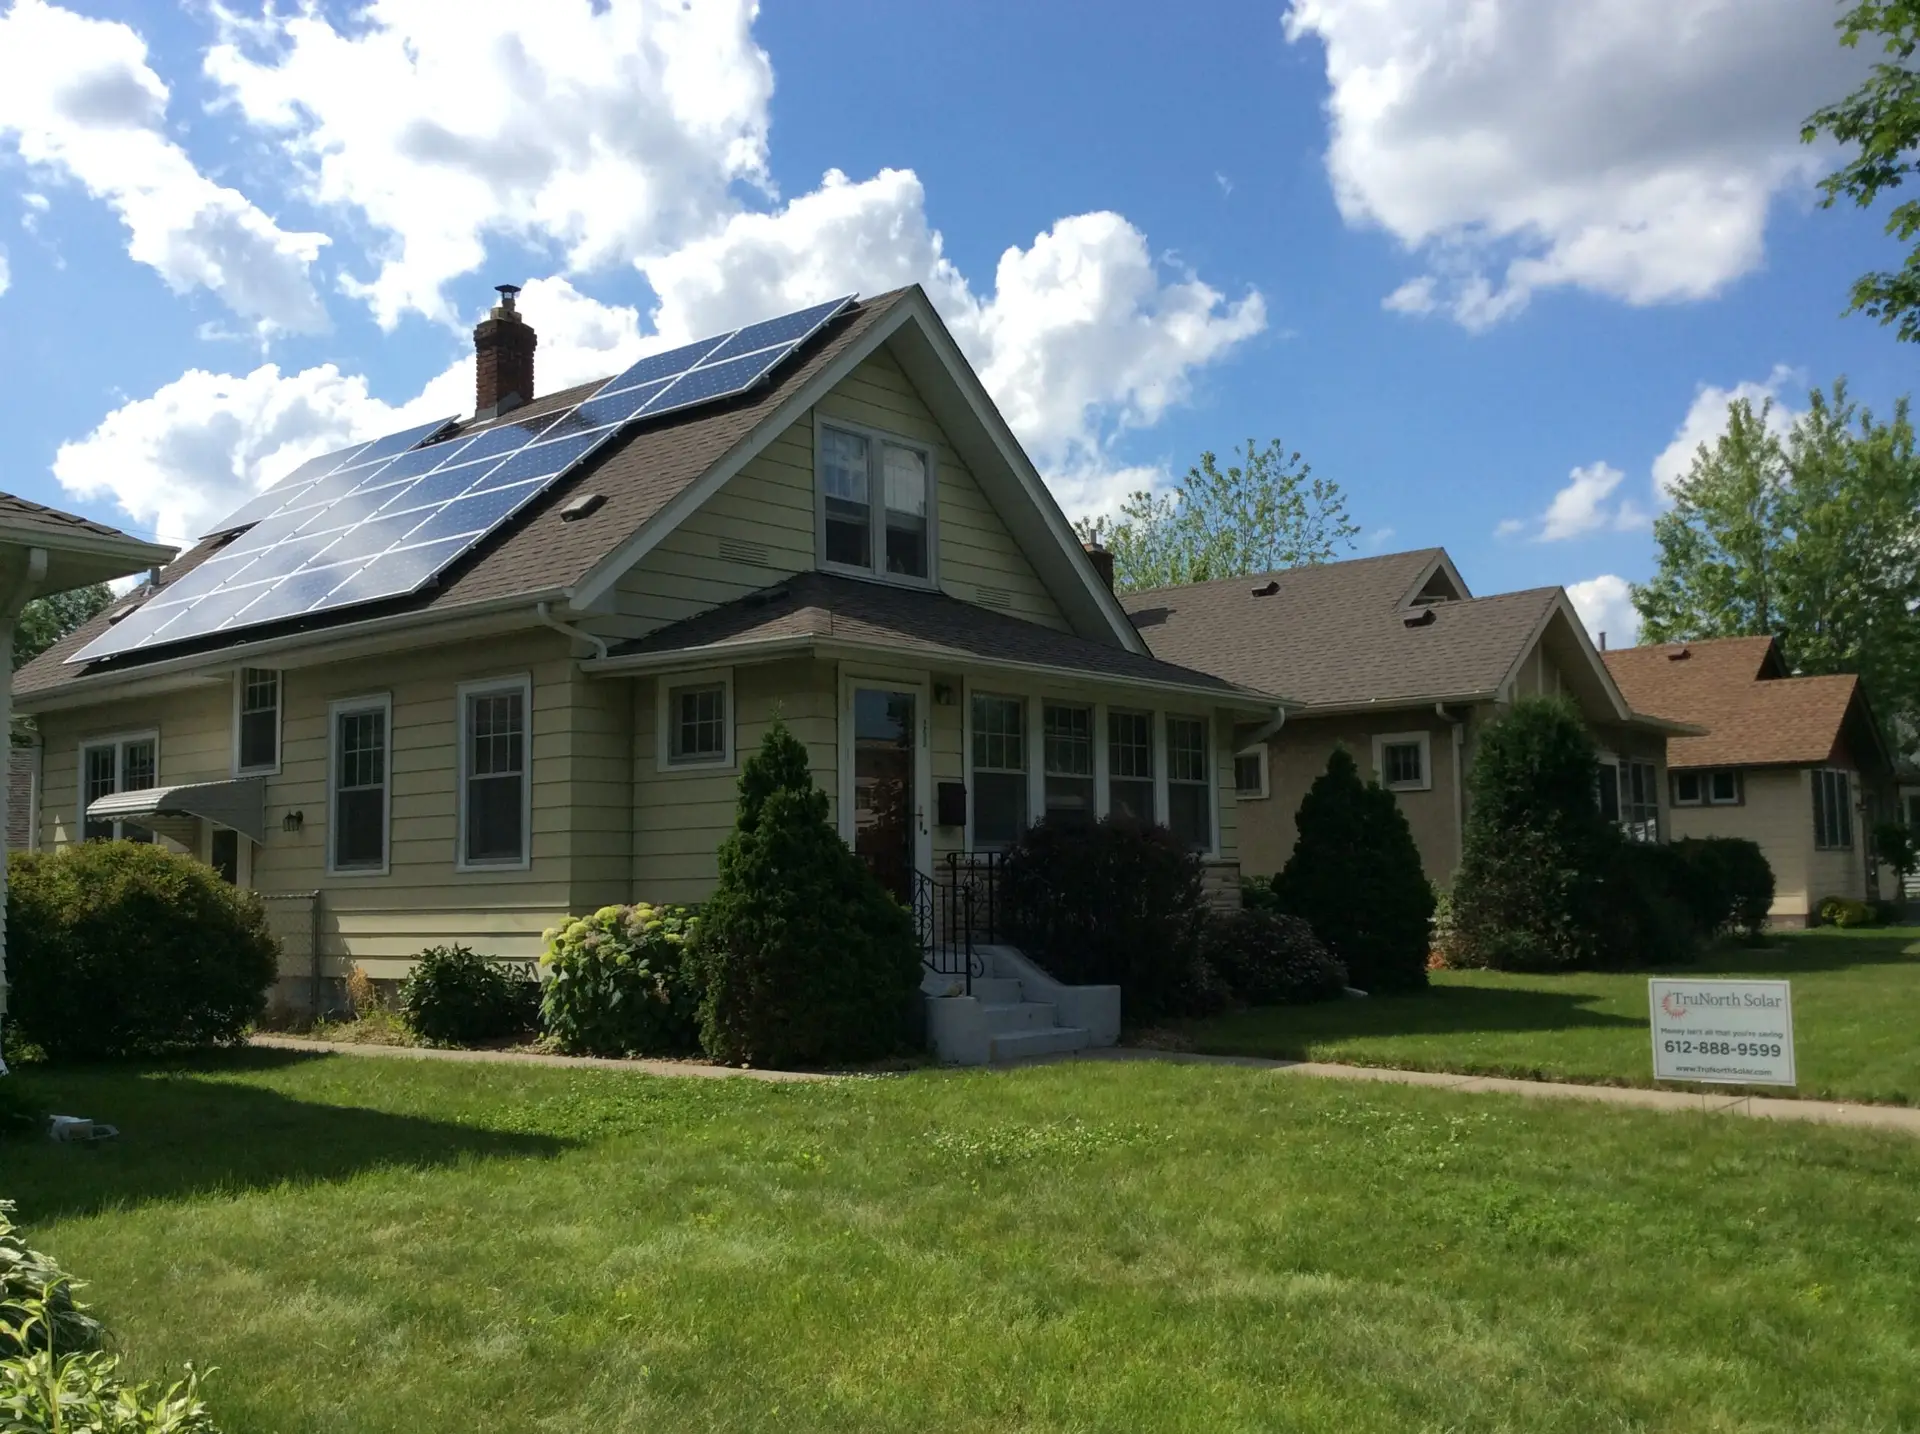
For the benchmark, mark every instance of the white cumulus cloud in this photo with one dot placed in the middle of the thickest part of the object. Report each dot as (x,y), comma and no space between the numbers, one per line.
(601,130)
(1630,149)
(1605,605)
(79,100)
(1706,420)
(1585,505)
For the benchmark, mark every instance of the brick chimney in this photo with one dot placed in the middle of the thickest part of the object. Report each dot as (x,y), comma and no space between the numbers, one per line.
(1102,561)
(503,344)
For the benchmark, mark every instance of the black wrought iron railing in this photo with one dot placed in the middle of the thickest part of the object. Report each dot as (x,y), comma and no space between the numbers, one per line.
(957,911)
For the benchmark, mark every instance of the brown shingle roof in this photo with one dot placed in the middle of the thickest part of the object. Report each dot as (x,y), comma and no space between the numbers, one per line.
(18,512)
(536,553)
(1333,635)
(1751,720)
(822,607)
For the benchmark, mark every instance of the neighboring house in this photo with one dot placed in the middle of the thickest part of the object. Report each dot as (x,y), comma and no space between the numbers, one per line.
(43,550)
(555,720)
(1392,658)
(1796,764)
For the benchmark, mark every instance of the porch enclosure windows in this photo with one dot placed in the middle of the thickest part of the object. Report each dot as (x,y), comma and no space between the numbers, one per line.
(116,764)
(875,493)
(1189,782)
(493,775)
(999,771)
(1130,764)
(1639,801)
(1069,763)
(358,840)
(1832,810)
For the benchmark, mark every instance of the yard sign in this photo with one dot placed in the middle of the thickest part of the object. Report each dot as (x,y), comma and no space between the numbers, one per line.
(1732,1032)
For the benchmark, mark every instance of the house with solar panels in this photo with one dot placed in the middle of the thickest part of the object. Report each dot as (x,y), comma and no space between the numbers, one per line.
(461,681)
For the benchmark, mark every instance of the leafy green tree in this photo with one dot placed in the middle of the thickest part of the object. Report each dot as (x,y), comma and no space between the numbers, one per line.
(1813,538)
(806,959)
(1882,120)
(1355,878)
(1267,511)
(46,620)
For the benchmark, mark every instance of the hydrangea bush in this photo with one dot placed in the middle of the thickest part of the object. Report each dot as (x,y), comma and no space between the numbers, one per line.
(619,982)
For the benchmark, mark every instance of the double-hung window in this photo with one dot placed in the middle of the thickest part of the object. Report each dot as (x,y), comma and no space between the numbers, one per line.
(1130,765)
(1069,757)
(494,786)
(876,496)
(357,840)
(999,771)
(1189,782)
(696,723)
(257,721)
(1832,810)
(116,764)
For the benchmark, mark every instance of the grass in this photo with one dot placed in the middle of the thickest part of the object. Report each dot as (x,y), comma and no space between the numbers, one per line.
(364,1245)
(1856,1011)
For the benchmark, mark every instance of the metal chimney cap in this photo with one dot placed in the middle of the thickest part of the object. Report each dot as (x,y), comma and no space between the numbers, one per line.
(506,293)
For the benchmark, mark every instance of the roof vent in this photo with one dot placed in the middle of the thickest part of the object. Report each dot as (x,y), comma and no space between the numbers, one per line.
(1267,588)
(580,507)
(1681,654)
(1422,618)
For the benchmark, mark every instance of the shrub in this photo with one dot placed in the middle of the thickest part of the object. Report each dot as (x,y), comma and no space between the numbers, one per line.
(623,982)
(1117,902)
(27,1275)
(1267,958)
(1899,847)
(1531,890)
(1651,912)
(804,957)
(1845,911)
(1355,878)
(453,997)
(124,948)
(1728,885)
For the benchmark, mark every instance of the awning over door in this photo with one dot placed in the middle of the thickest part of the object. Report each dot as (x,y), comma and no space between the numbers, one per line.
(240,804)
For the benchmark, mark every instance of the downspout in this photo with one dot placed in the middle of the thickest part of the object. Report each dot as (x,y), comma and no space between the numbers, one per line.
(1459,726)
(17,599)
(544,611)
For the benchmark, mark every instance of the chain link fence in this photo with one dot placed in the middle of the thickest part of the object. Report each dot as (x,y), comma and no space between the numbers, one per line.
(294,919)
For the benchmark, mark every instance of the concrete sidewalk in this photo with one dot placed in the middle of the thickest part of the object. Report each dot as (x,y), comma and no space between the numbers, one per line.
(1903,1119)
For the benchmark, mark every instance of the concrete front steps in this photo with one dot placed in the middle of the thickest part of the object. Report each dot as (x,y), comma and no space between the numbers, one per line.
(1015,1011)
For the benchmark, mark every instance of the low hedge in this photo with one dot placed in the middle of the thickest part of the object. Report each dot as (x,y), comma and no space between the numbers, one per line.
(1729,885)
(455,997)
(1266,958)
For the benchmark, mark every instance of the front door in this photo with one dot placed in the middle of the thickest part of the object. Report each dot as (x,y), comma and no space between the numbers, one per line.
(886,816)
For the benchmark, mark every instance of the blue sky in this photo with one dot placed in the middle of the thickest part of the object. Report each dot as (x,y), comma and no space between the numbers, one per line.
(1488,266)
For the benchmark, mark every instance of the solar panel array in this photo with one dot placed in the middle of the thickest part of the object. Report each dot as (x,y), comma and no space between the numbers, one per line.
(383,519)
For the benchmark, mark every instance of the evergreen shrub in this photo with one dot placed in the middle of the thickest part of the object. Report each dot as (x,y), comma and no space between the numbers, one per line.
(1267,958)
(1729,884)
(454,997)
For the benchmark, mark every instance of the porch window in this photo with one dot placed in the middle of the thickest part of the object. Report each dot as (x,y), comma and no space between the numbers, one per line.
(1130,764)
(116,764)
(258,725)
(875,497)
(493,776)
(1069,758)
(1639,801)
(999,771)
(1832,810)
(1189,795)
(359,835)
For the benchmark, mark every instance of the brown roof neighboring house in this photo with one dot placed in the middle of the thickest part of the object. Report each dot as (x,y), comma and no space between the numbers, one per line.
(1755,715)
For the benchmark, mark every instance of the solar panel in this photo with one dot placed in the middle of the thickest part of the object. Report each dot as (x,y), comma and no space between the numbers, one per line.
(382,519)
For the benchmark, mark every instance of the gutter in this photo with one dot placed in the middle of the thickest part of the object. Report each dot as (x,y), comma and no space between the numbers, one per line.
(544,612)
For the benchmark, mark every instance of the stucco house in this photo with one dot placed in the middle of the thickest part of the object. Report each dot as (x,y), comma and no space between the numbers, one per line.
(1796,764)
(44,550)
(1395,659)
(553,720)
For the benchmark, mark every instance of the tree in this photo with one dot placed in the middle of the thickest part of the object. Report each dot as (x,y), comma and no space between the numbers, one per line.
(1812,537)
(1355,877)
(1882,118)
(46,620)
(1267,512)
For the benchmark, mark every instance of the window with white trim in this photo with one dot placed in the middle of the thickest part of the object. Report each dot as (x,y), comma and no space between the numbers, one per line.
(999,771)
(494,786)
(1250,774)
(357,841)
(697,722)
(257,723)
(1130,764)
(116,764)
(1403,761)
(1189,783)
(1707,789)
(1068,752)
(876,494)
(1832,810)
(1639,802)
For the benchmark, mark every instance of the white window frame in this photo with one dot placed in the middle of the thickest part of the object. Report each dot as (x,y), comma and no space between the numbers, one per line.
(1699,775)
(968,694)
(381,702)
(279,720)
(1422,740)
(876,505)
(1739,796)
(1211,783)
(521,683)
(1252,794)
(663,717)
(118,741)
(1155,758)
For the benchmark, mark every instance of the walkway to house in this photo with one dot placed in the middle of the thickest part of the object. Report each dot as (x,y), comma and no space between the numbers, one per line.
(1903,1119)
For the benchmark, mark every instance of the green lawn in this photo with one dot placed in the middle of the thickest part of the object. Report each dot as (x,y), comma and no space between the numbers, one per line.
(364,1244)
(1856,1019)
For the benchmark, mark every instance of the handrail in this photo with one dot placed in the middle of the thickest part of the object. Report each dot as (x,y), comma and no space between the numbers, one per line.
(958,912)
